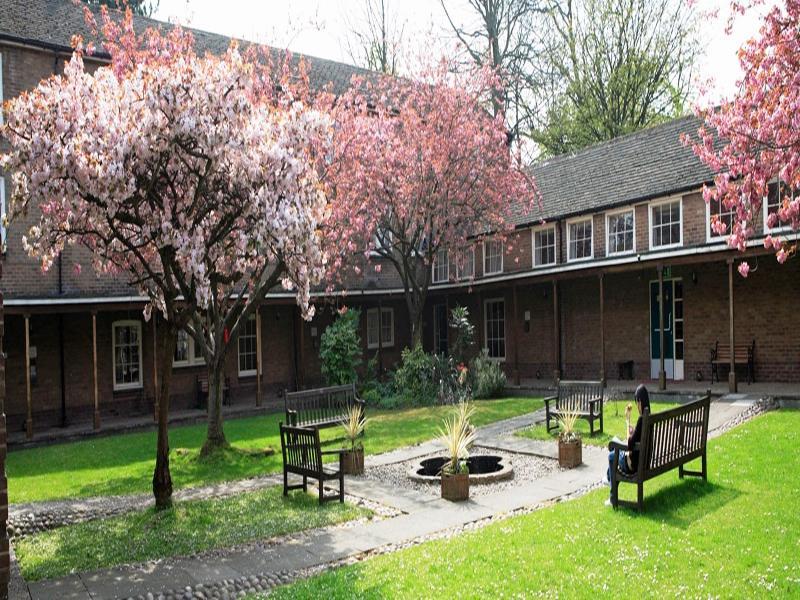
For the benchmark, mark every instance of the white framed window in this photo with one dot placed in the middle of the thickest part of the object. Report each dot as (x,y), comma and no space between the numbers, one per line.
(544,245)
(187,353)
(3,241)
(248,348)
(580,239)
(666,224)
(386,324)
(776,195)
(126,339)
(621,232)
(441,266)
(466,270)
(494,323)
(492,257)
(717,211)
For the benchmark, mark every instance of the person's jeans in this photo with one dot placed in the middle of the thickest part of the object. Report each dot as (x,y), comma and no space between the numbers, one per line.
(623,464)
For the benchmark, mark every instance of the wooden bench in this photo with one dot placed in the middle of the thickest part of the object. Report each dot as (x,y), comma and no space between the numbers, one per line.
(584,396)
(202,389)
(302,455)
(743,354)
(670,439)
(321,407)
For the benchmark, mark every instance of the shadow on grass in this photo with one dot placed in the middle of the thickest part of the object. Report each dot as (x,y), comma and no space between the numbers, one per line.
(684,502)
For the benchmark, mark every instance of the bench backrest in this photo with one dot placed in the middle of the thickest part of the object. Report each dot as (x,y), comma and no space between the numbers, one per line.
(301,449)
(741,352)
(673,437)
(577,394)
(321,404)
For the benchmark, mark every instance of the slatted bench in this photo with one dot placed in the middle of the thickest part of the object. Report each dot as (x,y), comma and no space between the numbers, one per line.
(202,389)
(302,455)
(670,439)
(743,354)
(321,407)
(585,397)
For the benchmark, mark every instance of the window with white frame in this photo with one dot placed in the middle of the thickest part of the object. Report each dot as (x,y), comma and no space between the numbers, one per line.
(665,224)
(127,347)
(544,246)
(248,352)
(777,194)
(441,266)
(621,230)
(186,351)
(492,257)
(579,239)
(718,213)
(495,328)
(384,335)
(466,270)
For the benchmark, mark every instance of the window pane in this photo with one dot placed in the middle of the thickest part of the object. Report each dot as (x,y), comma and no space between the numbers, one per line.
(495,328)
(247,346)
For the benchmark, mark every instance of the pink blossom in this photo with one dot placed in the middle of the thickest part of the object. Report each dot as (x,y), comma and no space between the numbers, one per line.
(744,268)
(782,256)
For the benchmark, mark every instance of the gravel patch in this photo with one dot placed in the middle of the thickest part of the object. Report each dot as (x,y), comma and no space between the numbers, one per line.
(758,407)
(526,468)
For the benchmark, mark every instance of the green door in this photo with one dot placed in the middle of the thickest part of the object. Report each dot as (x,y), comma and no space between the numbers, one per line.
(669,331)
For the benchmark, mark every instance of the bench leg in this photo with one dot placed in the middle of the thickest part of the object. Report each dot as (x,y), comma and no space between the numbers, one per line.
(305,483)
(680,471)
(321,493)
(341,485)
(640,496)
(285,483)
(591,426)
(705,472)
(601,419)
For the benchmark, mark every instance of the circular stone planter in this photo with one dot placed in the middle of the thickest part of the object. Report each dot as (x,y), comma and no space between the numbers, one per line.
(483,468)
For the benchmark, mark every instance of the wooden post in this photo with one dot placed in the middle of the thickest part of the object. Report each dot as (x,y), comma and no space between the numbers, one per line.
(94,371)
(155,367)
(258,356)
(515,333)
(301,343)
(602,334)
(5,564)
(556,334)
(29,420)
(732,384)
(662,374)
(380,335)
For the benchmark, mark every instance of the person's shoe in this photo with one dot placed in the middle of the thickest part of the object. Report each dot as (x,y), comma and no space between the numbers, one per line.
(605,479)
(608,502)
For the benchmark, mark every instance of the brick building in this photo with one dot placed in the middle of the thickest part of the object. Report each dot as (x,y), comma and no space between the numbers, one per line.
(576,296)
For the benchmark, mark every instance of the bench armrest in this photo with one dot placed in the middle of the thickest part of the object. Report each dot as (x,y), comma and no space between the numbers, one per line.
(336,451)
(549,399)
(615,445)
(595,400)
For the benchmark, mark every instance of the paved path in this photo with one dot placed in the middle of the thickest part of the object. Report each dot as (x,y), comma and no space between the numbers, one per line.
(423,515)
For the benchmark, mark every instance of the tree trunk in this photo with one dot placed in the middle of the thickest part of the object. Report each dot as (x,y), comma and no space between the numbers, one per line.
(162,480)
(215,437)
(415,316)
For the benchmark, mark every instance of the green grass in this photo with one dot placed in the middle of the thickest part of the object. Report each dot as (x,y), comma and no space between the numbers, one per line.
(186,528)
(613,424)
(123,463)
(737,536)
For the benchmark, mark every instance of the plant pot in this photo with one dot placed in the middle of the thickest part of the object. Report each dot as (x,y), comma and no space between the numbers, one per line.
(353,462)
(570,454)
(455,487)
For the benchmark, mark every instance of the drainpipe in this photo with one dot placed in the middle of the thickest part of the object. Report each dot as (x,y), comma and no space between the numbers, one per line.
(63,378)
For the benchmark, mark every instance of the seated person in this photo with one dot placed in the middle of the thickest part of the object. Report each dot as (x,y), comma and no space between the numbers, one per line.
(628,460)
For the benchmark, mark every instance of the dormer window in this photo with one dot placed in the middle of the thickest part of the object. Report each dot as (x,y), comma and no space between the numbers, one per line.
(579,239)
(492,257)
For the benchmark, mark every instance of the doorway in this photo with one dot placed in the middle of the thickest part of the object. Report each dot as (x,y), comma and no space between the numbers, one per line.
(673,330)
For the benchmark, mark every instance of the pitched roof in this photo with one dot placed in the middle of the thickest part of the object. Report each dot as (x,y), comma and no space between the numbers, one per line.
(54,22)
(639,166)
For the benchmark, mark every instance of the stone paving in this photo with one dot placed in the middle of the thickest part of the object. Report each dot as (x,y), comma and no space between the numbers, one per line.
(234,572)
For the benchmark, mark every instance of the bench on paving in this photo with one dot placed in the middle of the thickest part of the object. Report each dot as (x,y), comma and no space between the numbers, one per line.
(583,397)
(202,389)
(743,354)
(670,439)
(302,455)
(321,407)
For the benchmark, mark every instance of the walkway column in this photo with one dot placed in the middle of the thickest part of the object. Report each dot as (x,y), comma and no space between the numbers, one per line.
(4,552)
(94,371)
(515,333)
(29,420)
(662,374)
(258,356)
(732,385)
(301,343)
(602,334)
(556,334)
(155,367)
(380,335)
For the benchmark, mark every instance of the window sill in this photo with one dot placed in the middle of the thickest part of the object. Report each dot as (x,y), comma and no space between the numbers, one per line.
(128,388)
(383,346)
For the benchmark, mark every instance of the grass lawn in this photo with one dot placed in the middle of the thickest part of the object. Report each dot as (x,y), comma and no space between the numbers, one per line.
(613,424)
(122,464)
(186,528)
(737,536)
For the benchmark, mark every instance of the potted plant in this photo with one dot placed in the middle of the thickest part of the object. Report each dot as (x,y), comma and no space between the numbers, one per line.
(569,440)
(353,459)
(457,435)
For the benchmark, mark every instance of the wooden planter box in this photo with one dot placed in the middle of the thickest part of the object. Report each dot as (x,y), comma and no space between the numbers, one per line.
(455,487)
(570,454)
(353,462)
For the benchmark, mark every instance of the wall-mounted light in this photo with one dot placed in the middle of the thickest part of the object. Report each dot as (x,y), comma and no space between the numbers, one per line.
(694,279)
(527,321)
(538,374)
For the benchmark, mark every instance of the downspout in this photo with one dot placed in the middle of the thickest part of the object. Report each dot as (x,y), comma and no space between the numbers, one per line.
(62,374)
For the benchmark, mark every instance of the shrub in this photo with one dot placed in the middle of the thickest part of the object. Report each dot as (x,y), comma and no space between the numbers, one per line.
(414,378)
(488,379)
(452,379)
(340,349)
(465,335)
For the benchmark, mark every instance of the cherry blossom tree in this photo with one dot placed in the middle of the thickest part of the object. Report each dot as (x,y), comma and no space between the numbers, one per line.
(752,141)
(194,177)
(418,167)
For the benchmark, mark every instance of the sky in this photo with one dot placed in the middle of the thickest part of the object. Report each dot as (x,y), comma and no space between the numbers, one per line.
(320,27)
